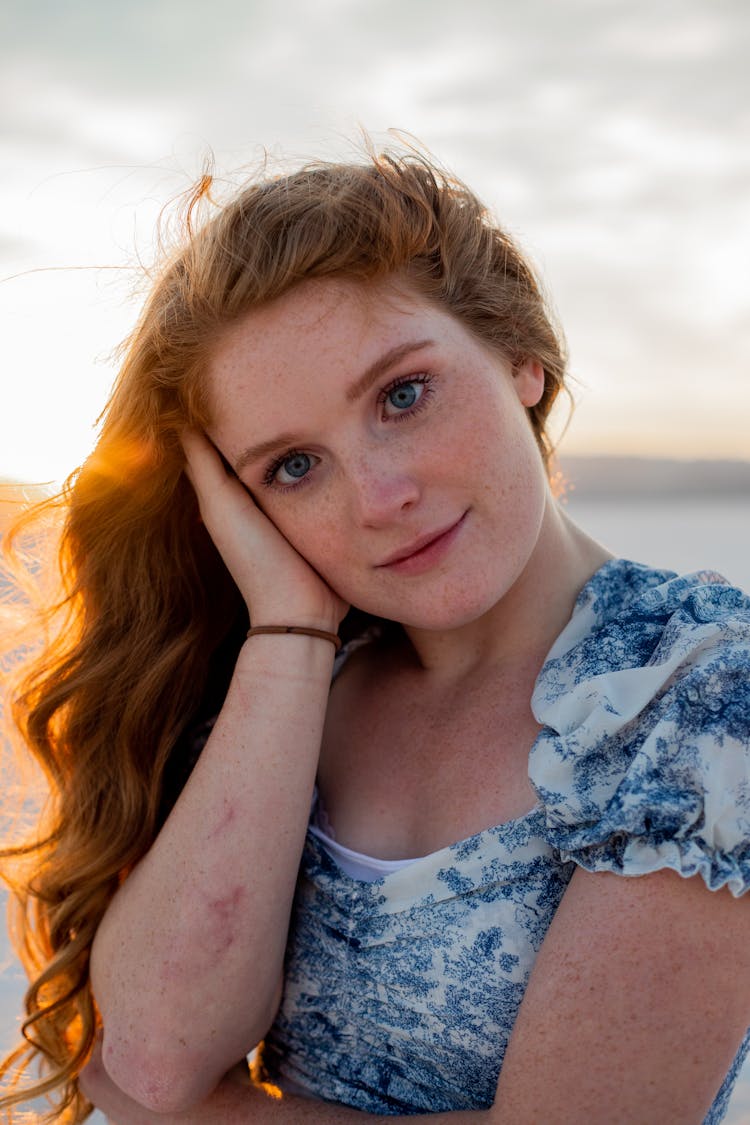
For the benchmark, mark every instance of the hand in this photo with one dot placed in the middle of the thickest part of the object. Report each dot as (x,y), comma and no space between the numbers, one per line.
(279,586)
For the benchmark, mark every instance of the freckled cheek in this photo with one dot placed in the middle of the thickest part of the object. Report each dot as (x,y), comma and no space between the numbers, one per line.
(320,538)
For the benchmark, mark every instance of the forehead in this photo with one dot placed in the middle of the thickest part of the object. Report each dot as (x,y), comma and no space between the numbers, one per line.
(321,330)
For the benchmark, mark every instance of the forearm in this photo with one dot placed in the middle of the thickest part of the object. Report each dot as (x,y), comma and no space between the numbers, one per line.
(235,1103)
(209,904)
(239,1109)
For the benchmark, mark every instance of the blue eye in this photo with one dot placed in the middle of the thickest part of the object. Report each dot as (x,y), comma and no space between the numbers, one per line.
(289,470)
(404,395)
(297,465)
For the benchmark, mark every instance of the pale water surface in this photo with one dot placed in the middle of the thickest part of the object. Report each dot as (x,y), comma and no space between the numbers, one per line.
(681,535)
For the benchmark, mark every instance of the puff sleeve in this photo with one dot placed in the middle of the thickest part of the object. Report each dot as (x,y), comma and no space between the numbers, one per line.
(644,759)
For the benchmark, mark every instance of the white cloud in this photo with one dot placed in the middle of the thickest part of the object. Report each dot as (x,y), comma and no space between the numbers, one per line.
(609,135)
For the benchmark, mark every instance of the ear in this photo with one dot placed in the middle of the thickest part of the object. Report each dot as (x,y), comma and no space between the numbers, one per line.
(528,377)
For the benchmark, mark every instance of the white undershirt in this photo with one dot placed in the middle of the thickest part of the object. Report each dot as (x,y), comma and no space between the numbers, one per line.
(367,868)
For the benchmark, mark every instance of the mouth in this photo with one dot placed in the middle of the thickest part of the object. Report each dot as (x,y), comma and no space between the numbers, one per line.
(425,549)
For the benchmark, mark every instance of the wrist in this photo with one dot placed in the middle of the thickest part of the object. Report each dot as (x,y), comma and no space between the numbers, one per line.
(299,619)
(290,654)
(296,630)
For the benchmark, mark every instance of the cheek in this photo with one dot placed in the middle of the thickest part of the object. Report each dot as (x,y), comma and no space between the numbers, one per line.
(315,533)
(514,483)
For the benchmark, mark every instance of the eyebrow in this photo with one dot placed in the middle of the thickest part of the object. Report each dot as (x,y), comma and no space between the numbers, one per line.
(353,394)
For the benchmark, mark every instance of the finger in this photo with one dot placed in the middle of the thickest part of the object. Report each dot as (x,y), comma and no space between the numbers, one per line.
(203,463)
(214,485)
(226,506)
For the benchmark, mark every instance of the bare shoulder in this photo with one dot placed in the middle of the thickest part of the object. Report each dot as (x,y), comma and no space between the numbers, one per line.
(637,1003)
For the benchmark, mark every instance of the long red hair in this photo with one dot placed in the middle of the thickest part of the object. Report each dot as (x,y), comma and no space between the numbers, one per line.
(147,605)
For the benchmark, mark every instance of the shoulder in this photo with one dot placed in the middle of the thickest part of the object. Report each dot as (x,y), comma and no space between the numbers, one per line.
(644,759)
(629,615)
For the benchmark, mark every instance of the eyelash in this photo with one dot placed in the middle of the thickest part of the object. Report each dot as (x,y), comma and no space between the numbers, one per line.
(404,380)
(423,380)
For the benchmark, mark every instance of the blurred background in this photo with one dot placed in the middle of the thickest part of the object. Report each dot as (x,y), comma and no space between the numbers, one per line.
(609,136)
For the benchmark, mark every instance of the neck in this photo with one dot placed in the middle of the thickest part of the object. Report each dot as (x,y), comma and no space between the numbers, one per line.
(519,630)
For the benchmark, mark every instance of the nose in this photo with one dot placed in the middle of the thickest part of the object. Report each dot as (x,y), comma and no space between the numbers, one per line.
(383,487)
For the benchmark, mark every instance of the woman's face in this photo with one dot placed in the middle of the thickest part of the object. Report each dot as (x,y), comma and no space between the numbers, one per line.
(366,421)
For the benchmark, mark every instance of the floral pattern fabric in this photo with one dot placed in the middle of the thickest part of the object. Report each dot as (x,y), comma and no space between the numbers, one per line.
(401,993)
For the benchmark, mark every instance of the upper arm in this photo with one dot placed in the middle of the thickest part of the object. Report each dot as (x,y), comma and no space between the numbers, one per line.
(636,1006)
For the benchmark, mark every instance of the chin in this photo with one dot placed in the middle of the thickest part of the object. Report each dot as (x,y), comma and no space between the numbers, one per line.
(440,613)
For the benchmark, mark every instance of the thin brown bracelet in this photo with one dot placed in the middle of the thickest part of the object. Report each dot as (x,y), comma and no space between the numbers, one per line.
(336,641)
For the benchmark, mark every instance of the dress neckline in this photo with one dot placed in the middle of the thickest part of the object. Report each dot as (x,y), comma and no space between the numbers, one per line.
(631,574)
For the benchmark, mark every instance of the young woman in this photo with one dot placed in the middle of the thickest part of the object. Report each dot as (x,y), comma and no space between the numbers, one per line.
(482,863)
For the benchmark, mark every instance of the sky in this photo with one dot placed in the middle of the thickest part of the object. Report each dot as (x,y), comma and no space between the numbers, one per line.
(609,136)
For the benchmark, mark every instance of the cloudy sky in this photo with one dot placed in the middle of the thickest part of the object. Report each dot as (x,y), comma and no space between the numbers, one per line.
(611,136)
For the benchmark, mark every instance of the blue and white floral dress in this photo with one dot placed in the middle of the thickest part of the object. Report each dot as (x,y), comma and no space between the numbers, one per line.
(401,993)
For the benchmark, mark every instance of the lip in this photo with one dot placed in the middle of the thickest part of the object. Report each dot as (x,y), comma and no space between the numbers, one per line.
(425,550)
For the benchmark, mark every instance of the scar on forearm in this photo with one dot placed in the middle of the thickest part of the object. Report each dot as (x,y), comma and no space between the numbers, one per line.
(221,916)
(228,815)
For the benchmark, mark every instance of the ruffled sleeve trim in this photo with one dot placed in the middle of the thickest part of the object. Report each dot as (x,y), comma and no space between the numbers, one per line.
(644,759)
